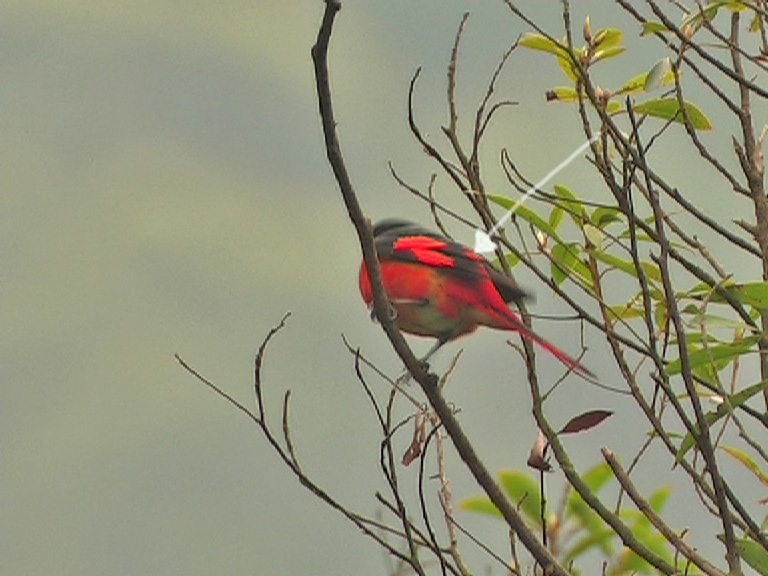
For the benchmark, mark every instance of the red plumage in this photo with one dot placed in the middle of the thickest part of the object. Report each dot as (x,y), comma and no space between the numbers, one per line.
(443,289)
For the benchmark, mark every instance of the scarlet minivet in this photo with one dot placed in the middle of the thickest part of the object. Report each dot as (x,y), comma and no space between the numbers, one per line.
(443,289)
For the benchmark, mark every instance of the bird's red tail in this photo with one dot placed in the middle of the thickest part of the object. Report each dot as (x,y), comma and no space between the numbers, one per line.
(571,363)
(516,324)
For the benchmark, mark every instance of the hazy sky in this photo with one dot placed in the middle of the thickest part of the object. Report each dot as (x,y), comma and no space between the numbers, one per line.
(165,190)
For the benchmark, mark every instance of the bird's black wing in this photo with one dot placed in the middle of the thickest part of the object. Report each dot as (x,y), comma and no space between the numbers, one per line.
(404,241)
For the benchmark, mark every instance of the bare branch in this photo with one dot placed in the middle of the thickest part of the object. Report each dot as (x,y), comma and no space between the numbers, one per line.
(702,436)
(428,382)
(642,505)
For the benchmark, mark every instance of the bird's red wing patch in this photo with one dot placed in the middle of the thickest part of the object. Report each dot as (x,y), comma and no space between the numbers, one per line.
(425,249)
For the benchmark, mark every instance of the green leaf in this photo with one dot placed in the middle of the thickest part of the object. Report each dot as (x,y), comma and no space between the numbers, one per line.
(639,235)
(567,66)
(572,204)
(608,37)
(637,83)
(660,314)
(584,517)
(601,538)
(698,337)
(644,531)
(564,259)
(568,94)
(753,294)
(480,505)
(594,236)
(596,477)
(689,441)
(656,75)
(523,491)
(653,27)
(707,373)
(511,259)
(735,401)
(650,269)
(526,214)
(544,44)
(627,312)
(699,319)
(747,460)
(610,52)
(707,13)
(563,94)
(754,555)
(556,217)
(656,543)
(612,107)
(641,527)
(577,510)
(737,5)
(669,109)
(603,216)
(719,354)
(541,43)
(659,498)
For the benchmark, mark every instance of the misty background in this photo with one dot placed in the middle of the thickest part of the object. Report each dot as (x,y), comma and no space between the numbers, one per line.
(165,190)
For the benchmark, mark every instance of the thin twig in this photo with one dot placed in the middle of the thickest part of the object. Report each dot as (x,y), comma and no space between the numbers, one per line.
(428,382)
(701,435)
(642,504)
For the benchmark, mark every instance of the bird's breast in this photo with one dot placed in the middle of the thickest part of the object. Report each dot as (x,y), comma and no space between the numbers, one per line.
(423,300)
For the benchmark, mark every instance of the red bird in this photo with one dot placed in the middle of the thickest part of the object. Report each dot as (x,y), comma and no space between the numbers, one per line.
(442,289)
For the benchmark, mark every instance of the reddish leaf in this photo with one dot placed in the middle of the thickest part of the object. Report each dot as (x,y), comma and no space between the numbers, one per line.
(585,421)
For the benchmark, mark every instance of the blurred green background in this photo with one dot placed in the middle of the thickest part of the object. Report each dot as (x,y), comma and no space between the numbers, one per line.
(165,190)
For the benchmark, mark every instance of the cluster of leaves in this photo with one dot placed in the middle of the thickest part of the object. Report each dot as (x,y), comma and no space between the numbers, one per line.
(605,45)
(715,340)
(573,528)
(697,19)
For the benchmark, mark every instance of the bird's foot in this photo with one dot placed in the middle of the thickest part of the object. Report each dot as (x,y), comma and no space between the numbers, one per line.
(405,376)
(403,379)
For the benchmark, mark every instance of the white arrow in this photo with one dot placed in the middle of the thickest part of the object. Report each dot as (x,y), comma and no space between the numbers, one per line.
(483,242)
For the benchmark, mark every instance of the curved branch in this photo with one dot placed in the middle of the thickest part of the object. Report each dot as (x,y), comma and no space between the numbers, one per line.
(427,381)
(642,505)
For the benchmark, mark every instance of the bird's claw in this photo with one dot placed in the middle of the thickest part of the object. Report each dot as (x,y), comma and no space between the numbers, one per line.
(405,377)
